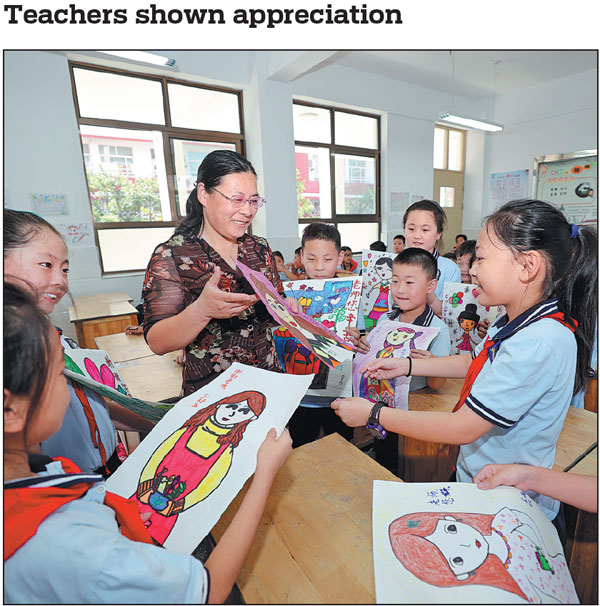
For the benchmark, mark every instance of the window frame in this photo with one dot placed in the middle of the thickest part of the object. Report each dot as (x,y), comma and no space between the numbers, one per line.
(448,129)
(348,151)
(168,132)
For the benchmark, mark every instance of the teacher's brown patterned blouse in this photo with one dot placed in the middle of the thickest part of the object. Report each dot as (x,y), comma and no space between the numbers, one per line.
(175,277)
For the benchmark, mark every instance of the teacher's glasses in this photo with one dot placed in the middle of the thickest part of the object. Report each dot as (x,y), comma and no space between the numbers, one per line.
(239,201)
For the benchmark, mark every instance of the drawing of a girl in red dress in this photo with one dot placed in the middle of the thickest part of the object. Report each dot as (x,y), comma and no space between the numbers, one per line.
(383,269)
(467,320)
(193,461)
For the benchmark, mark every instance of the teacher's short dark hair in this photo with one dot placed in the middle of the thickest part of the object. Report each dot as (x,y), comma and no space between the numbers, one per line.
(211,171)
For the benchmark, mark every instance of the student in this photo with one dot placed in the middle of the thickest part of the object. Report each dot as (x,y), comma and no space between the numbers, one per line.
(378,245)
(284,273)
(399,243)
(35,252)
(295,267)
(424,223)
(465,255)
(321,254)
(575,489)
(519,386)
(459,240)
(349,265)
(67,540)
(413,280)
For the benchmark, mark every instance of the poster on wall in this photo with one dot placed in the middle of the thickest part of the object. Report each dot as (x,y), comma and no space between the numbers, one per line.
(507,186)
(452,543)
(49,204)
(189,468)
(569,182)
(76,234)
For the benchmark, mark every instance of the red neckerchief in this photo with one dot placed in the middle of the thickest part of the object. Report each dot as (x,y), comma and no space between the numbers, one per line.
(32,500)
(90,416)
(488,352)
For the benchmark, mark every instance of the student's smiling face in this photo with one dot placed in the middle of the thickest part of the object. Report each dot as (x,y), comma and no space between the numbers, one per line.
(234,413)
(44,264)
(421,230)
(321,259)
(410,286)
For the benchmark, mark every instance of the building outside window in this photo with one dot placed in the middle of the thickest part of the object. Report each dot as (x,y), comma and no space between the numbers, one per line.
(337,171)
(141,146)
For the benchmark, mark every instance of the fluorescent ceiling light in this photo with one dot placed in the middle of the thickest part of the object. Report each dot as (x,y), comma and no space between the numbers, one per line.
(142,56)
(471,122)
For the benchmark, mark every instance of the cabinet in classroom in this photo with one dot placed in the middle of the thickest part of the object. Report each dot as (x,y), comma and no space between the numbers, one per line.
(98,315)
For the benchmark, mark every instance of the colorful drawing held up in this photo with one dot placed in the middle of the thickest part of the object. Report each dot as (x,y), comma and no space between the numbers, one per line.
(197,458)
(389,339)
(462,313)
(316,338)
(377,278)
(453,543)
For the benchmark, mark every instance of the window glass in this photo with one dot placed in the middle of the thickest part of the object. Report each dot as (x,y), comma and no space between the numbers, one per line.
(126,174)
(115,97)
(358,236)
(313,182)
(439,148)
(187,157)
(312,124)
(455,150)
(203,109)
(130,249)
(355,185)
(355,131)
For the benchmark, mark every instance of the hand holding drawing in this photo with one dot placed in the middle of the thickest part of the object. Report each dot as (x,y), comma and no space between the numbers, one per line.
(386,368)
(353,336)
(575,489)
(217,303)
(421,353)
(482,328)
(354,412)
(273,452)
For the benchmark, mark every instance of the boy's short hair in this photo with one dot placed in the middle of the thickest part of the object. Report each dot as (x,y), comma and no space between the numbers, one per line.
(418,258)
(322,231)
(277,253)
(450,255)
(346,249)
(463,236)
(378,245)
(467,248)
(298,250)
(400,237)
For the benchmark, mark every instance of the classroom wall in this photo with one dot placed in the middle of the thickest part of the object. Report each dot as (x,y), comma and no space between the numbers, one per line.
(43,153)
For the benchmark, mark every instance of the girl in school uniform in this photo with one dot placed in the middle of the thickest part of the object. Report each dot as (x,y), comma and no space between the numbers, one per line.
(51,508)
(424,223)
(35,252)
(519,385)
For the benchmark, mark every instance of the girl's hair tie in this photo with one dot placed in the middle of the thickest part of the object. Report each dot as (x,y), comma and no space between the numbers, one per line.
(574,230)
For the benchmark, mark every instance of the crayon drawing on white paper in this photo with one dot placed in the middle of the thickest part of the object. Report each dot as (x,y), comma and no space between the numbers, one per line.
(193,463)
(452,543)
(377,278)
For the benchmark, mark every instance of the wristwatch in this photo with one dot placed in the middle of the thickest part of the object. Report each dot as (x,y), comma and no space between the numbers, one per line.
(373,424)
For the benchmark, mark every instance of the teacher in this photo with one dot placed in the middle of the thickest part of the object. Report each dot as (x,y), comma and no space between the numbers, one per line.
(194,296)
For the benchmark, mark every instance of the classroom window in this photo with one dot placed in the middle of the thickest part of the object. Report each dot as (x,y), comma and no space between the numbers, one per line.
(448,148)
(142,145)
(337,171)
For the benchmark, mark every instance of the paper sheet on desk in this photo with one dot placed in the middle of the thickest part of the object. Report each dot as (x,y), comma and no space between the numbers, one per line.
(189,468)
(94,369)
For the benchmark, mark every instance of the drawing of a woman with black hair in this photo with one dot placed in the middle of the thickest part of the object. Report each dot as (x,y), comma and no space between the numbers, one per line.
(193,461)
(467,320)
(383,269)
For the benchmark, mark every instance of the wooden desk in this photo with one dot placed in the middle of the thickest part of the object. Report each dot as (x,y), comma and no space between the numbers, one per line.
(122,347)
(153,377)
(314,544)
(98,315)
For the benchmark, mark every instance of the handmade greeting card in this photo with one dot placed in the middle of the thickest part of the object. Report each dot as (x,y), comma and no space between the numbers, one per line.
(315,337)
(389,339)
(94,369)
(377,277)
(197,458)
(452,543)
(334,304)
(462,313)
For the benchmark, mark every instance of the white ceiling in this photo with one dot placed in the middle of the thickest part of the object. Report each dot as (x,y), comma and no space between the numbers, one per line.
(474,70)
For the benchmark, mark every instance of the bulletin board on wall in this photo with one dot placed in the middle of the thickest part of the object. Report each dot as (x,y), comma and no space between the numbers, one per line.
(569,182)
